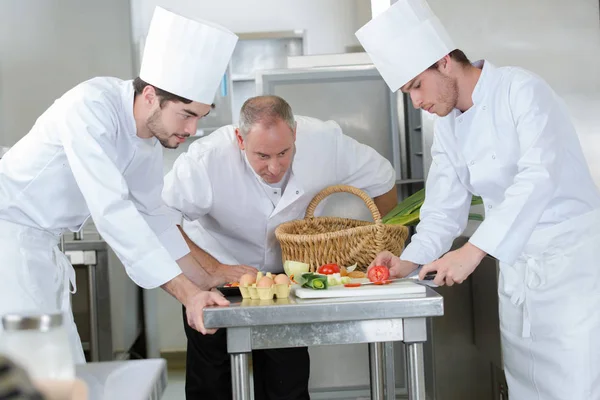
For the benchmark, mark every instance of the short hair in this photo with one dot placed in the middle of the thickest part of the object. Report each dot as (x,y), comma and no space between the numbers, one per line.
(458,56)
(265,110)
(163,95)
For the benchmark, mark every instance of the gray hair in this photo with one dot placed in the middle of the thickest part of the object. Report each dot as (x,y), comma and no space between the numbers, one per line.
(266,111)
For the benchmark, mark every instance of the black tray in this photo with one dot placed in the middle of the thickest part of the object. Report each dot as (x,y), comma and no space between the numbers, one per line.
(229,291)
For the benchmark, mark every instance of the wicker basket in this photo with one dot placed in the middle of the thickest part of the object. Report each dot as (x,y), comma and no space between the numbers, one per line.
(344,241)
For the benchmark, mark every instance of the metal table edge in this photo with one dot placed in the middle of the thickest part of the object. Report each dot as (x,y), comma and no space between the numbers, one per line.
(217,316)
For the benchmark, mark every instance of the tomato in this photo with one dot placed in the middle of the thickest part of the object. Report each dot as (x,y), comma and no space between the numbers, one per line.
(378,273)
(328,269)
(352,284)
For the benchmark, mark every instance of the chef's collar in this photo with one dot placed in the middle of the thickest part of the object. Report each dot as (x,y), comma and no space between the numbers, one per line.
(127,98)
(486,71)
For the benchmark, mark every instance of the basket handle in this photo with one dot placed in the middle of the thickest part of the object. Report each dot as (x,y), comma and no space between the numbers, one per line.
(310,210)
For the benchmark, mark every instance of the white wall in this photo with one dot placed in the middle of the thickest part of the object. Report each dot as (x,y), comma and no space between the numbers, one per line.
(559,40)
(47,47)
(329,24)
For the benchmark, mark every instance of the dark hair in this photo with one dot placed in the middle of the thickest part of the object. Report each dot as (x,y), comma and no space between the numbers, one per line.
(163,96)
(457,55)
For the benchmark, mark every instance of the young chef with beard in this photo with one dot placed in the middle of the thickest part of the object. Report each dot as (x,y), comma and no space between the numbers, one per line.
(97,151)
(506,136)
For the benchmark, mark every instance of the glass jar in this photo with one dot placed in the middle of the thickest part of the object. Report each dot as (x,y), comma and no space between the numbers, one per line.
(39,343)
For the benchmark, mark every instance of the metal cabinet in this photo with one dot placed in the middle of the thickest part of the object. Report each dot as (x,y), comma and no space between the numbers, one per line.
(356,97)
(91,303)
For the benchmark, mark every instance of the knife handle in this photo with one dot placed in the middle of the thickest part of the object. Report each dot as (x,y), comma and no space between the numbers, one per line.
(430,276)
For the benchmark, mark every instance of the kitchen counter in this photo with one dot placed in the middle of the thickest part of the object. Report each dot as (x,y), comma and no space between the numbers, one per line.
(131,380)
(293,322)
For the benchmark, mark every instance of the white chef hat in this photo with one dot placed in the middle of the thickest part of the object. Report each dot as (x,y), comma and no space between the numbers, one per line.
(404,40)
(186,57)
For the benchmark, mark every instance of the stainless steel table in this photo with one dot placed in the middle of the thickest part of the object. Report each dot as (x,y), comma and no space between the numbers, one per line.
(257,324)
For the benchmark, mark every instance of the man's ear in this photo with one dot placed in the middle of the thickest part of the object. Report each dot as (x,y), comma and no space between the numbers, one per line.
(240,139)
(295,126)
(149,95)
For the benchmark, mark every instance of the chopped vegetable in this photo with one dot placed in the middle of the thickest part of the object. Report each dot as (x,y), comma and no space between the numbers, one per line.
(378,273)
(313,281)
(337,279)
(356,274)
(329,269)
(295,267)
(352,284)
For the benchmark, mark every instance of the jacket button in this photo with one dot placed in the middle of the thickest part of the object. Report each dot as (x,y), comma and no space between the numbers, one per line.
(493,156)
(489,206)
(472,162)
(297,192)
(483,108)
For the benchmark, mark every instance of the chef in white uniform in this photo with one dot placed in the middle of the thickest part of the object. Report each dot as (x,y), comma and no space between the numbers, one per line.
(97,151)
(506,136)
(260,175)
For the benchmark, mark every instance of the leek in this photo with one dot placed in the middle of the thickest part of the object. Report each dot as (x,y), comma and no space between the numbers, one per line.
(313,281)
(408,211)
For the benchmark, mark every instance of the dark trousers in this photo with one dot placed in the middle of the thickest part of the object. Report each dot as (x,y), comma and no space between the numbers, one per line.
(279,374)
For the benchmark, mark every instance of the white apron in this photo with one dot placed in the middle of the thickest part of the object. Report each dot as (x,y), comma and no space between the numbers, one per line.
(36,276)
(550,314)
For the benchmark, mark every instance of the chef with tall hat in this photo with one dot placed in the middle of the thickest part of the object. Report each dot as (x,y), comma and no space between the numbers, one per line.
(505,135)
(97,152)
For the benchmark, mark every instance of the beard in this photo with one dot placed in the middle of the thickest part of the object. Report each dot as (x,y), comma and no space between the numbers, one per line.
(158,130)
(448,98)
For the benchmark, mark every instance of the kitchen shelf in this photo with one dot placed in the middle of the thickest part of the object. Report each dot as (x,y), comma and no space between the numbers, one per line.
(242,78)
(408,181)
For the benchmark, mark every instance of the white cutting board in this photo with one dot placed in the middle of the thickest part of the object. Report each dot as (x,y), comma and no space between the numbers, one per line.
(400,287)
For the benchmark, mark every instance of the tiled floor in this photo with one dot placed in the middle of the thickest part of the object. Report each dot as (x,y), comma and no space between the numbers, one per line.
(176,390)
(176,387)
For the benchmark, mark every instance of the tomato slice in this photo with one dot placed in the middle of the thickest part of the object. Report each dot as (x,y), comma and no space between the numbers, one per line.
(328,269)
(352,284)
(382,282)
(378,273)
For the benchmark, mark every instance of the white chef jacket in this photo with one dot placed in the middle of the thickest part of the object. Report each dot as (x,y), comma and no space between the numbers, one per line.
(83,157)
(214,185)
(516,147)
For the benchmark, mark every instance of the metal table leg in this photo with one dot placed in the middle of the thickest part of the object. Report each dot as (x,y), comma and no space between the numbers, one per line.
(416,371)
(390,371)
(94,334)
(377,369)
(415,333)
(239,346)
(240,380)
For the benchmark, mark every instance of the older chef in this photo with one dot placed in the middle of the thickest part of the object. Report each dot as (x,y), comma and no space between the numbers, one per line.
(239,184)
(97,151)
(506,136)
